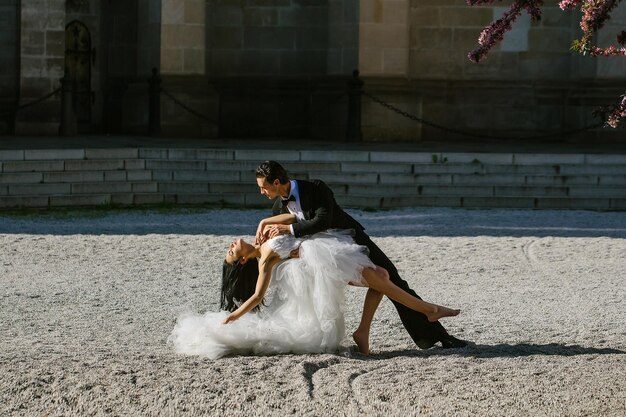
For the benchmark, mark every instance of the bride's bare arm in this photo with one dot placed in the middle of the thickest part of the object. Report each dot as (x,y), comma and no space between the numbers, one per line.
(268,259)
(286,218)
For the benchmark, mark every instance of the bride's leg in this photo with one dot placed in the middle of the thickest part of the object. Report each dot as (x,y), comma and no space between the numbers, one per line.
(362,334)
(378,279)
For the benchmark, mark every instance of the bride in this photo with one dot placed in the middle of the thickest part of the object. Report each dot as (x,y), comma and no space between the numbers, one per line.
(305,314)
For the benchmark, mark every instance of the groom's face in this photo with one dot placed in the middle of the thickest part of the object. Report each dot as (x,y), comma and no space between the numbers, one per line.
(270,190)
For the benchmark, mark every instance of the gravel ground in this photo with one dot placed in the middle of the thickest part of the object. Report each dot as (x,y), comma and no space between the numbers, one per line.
(88,299)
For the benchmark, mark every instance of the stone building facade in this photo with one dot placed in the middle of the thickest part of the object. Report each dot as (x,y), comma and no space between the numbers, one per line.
(281,68)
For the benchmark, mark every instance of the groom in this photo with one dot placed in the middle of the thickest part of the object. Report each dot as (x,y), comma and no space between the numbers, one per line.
(316,210)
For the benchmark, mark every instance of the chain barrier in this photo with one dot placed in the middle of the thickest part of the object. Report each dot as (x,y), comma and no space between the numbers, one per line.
(32,103)
(184,106)
(470,134)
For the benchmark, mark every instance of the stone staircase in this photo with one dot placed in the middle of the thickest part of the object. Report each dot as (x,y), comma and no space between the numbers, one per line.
(363,179)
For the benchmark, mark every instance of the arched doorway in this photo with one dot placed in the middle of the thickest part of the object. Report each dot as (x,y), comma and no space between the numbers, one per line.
(78,54)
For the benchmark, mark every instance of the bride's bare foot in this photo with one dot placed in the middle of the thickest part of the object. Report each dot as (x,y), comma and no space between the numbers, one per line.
(441,312)
(362,341)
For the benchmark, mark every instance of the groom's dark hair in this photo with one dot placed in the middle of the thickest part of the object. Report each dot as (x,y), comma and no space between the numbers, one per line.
(238,283)
(271,171)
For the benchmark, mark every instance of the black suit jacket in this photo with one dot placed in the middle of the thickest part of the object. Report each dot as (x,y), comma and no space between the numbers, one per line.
(321,211)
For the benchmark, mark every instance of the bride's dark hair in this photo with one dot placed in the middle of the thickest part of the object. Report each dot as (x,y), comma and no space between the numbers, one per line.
(238,283)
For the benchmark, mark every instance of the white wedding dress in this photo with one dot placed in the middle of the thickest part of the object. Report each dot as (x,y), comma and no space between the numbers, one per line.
(305,313)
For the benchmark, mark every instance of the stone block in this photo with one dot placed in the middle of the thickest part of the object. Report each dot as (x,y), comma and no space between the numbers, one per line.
(124,199)
(260,16)
(448,169)
(242,166)
(207,176)
(76,176)
(141,199)
(395,202)
(398,179)
(617,204)
(597,192)
(562,180)
(122,153)
(14,202)
(175,165)
(424,17)
(21,178)
(94,165)
(183,188)
(498,202)
(409,157)
(101,188)
(303,61)
(134,164)
(367,167)
(379,191)
(302,16)
(153,153)
(226,37)
(345,178)
(115,175)
(354,201)
(160,175)
(32,166)
(311,38)
(195,12)
(447,190)
(225,188)
(53,154)
(617,180)
(201,154)
(261,155)
(144,187)
(488,179)
(334,156)
(541,170)
(606,159)
(38,189)
(4,190)
(463,17)
(593,169)
(477,158)
(139,175)
(10,155)
(524,191)
(79,200)
(309,166)
(269,37)
(548,159)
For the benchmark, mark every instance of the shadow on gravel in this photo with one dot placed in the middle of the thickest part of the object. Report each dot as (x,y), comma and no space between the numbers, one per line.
(501,351)
(414,222)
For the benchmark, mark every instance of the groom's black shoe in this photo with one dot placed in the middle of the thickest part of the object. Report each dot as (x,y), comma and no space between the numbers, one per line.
(451,342)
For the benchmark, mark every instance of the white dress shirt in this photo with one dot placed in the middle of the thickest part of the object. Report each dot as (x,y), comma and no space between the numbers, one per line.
(294,206)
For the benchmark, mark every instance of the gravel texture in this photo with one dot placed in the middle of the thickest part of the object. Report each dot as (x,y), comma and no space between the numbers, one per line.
(88,299)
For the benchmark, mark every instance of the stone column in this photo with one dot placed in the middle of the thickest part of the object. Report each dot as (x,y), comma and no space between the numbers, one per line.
(384,37)
(42,59)
(183,37)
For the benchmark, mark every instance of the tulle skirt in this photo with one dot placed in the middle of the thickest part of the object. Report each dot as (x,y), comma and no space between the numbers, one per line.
(304,315)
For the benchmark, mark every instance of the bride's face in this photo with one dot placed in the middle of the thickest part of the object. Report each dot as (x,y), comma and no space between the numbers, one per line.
(238,250)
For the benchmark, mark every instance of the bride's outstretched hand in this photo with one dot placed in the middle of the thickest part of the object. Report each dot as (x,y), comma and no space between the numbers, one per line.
(229,319)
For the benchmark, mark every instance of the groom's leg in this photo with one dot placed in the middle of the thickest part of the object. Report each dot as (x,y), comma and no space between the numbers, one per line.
(423,332)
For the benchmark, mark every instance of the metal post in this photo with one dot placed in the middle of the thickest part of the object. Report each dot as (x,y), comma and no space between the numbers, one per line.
(154,107)
(355,86)
(69,126)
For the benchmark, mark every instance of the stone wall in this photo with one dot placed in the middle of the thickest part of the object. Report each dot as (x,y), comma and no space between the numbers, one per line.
(42,59)
(9,56)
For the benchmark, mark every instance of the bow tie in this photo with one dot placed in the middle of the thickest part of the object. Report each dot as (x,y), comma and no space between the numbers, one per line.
(287,200)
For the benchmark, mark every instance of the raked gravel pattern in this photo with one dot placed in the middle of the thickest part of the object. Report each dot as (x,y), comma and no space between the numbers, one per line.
(88,299)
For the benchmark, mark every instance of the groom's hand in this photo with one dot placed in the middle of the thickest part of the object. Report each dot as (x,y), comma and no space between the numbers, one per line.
(279,229)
